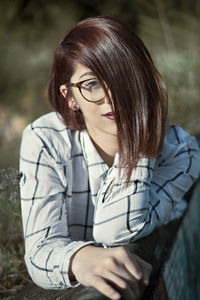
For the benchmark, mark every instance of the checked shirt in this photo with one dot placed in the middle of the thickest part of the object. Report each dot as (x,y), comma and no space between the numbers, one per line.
(70,198)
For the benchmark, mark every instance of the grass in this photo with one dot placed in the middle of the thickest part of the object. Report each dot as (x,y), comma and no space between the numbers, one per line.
(13,273)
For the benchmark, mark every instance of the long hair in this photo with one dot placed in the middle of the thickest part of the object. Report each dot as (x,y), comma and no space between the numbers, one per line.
(110,48)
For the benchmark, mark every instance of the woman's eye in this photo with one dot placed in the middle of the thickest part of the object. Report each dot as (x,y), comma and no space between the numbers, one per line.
(92,84)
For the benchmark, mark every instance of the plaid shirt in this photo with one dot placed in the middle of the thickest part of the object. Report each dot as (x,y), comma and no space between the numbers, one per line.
(70,198)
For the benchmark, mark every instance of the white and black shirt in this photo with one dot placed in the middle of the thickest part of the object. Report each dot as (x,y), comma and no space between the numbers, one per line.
(70,197)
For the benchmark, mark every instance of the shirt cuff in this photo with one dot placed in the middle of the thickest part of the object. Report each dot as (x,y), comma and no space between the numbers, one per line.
(72,248)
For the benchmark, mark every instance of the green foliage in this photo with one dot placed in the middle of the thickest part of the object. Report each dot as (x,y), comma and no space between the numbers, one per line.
(173,39)
(13,273)
(12,270)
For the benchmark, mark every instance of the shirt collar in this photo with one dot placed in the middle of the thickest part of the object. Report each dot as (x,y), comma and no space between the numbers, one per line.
(95,163)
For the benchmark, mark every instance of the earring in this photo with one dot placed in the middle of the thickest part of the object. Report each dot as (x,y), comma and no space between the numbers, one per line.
(75,107)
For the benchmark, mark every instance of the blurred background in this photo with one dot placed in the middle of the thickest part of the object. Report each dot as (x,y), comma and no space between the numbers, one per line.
(29,33)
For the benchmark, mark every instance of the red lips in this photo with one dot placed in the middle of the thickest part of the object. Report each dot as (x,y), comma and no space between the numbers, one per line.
(109,115)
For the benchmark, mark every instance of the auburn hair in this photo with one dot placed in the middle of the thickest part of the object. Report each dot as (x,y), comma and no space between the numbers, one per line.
(118,57)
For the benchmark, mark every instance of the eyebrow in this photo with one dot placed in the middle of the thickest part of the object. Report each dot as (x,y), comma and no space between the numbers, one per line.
(86,73)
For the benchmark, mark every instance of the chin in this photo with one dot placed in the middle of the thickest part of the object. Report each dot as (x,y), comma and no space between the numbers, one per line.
(111,132)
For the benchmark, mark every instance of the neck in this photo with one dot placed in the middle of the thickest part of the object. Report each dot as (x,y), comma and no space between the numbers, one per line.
(105,144)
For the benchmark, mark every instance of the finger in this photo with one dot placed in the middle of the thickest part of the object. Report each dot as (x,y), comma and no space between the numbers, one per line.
(147,269)
(116,280)
(133,266)
(127,284)
(114,271)
(127,260)
(103,287)
(121,272)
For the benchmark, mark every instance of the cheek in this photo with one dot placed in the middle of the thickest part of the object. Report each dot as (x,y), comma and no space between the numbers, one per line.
(89,111)
(91,115)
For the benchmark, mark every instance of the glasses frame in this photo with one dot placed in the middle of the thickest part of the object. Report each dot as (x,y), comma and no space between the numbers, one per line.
(78,85)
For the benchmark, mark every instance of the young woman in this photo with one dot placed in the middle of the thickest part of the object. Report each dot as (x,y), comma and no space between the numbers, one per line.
(104,169)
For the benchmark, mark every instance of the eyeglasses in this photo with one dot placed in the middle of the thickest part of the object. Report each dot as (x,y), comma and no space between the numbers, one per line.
(91,89)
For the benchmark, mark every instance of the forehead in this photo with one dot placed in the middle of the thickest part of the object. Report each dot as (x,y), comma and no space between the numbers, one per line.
(81,72)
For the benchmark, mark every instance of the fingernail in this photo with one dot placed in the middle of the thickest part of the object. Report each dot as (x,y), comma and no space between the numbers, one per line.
(116,296)
(139,275)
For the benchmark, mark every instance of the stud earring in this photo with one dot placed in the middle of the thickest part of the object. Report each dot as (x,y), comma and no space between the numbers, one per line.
(75,107)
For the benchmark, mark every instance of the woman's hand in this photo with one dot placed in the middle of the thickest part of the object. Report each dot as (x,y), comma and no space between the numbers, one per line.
(110,270)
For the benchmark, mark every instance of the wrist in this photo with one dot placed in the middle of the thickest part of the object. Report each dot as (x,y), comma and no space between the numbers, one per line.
(75,261)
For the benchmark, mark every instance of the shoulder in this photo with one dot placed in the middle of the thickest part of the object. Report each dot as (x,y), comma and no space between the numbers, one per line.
(50,132)
(47,123)
(177,140)
(177,135)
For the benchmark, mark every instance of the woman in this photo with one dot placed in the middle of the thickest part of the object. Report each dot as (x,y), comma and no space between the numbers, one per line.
(103,169)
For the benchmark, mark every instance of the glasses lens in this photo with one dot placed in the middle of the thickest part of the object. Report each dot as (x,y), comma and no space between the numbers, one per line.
(92,90)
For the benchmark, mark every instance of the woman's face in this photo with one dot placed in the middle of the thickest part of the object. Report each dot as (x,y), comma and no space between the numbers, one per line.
(98,116)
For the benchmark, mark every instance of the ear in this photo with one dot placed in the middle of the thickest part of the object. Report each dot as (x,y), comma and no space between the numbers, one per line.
(63,90)
(71,101)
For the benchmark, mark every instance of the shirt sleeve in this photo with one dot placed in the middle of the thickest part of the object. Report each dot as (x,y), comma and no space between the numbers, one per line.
(48,247)
(154,195)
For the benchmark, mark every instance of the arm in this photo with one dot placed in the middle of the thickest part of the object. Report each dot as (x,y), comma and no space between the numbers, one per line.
(112,271)
(154,195)
(52,259)
(48,247)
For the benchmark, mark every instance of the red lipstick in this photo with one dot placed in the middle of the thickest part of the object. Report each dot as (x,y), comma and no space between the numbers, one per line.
(109,115)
